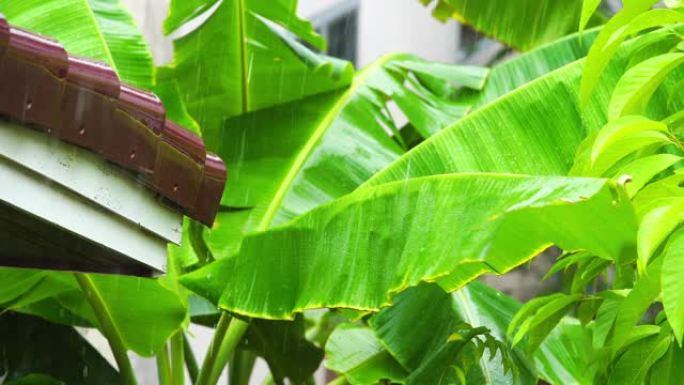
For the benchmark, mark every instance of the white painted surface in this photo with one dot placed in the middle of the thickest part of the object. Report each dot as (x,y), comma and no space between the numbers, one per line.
(387,26)
(89,176)
(39,197)
(404,26)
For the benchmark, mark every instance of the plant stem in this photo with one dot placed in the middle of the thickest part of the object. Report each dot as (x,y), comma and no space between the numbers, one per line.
(234,335)
(190,360)
(241,366)
(341,380)
(209,361)
(107,328)
(163,366)
(177,353)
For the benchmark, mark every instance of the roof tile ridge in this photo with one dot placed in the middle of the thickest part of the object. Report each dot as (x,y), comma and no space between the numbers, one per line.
(83,101)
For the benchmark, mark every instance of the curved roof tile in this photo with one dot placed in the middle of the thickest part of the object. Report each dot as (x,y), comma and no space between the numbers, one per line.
(83,102)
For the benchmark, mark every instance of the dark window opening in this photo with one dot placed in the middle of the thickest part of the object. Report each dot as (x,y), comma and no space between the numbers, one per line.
(340,30)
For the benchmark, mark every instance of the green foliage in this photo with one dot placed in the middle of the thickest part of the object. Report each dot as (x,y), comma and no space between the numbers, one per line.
(349,233)
(333,202)
(226,65)
(30,347)
(99,29)
(522,24)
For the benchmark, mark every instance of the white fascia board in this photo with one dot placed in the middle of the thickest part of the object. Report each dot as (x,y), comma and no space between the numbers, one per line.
(90,177)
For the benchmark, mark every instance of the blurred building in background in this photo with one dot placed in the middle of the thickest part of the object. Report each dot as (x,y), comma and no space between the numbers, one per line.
(363,30)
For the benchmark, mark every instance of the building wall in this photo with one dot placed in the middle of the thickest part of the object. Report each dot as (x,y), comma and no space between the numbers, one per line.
(387,26)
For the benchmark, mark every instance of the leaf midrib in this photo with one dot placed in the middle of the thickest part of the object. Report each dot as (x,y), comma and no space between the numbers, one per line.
(318,133)
(100,36)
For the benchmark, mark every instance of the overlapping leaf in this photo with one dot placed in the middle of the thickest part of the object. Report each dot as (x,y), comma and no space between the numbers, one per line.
(358,250)
(237,56)
(286,160)
(410,333)
(98,29)
(246,142)
(514,133)
(522,24)
(30,346)
(144,312)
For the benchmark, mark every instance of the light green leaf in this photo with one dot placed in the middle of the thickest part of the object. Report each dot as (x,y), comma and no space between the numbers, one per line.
(656,226)
(253,160)
(663,192)
(358,250)
(511,21)
(667,370)
(673,258)
(329,145)
(354,351)
(637,85)
(646,289)
(621,128)
(537,327)
(633,366)
(98,29)
(638,333)
(641,171)
(619,150)
(588,9)
(607,43)
(531,144)
(527,311)
(145,312)
(167,89)
(232,57)
(518,71)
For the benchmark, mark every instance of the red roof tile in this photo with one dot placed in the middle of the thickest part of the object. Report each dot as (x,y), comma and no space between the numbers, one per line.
(83,102)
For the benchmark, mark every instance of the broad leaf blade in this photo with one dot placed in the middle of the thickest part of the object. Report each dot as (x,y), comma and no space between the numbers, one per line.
(31,345)
(511,21)
(384,235)
(237,60)
(98,29)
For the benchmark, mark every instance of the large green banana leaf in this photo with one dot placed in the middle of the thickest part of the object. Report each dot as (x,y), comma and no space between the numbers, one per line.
(232,57)
(98,29)
(288,159)
(356,353)
(535,129)
(522,24)
(409,333)
(246,142)
(357,251)
(144,312)
(29,346)
(520,70)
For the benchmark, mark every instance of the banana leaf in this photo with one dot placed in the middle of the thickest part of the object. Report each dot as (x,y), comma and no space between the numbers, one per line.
(357,251)
(234,56)
(408,334)
(535,129)
(31,346)
(98,29)
(253,160)
(289,159)
(145,313)
(523,24)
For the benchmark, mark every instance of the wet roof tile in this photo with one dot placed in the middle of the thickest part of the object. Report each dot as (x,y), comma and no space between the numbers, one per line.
(83,102)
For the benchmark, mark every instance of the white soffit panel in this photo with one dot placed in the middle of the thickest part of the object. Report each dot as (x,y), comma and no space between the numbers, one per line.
(88,176)
(37,196)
